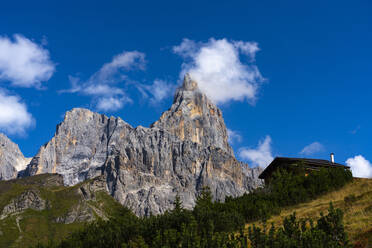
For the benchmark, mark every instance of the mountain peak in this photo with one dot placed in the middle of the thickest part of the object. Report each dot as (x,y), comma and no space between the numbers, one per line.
(75,112)
(189,83)
(194,117)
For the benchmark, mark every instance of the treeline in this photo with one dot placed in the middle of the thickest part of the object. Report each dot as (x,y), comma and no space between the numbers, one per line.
(287,188)
(215,224)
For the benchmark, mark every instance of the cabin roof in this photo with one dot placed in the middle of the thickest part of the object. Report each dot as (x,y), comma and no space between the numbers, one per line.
(307,161)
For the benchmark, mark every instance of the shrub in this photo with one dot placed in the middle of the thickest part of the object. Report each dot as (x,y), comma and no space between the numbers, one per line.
(329,232)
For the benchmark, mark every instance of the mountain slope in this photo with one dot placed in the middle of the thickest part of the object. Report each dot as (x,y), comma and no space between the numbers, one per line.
(39,208)
(145,168)
(355,199)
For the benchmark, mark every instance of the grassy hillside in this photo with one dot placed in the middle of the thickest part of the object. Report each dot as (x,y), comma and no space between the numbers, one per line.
(66,209)
(217,224)
(355,199)
(63,205)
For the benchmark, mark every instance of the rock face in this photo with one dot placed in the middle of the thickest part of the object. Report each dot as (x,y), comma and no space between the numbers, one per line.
(11,159)
(80,213)
(78,149)
(29,199)
(145,168)
(194,117)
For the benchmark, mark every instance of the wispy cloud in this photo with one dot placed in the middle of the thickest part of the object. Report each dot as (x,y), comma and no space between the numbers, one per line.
(14,117)
(261,156)
(233,136)
(312,148)
(102,86)
(24,63)
(158,91)
(111,103)
(355,130)
(217,67)
(112,72)
(360,166)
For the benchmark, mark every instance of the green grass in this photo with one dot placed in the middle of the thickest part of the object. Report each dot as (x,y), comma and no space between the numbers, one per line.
(40,226)
(105,203)
(9,231)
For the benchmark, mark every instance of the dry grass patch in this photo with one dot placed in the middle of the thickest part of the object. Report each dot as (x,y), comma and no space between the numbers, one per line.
(355,199)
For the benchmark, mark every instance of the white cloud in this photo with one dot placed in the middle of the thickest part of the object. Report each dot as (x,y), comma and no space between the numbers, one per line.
(111,103)
(187,48)
(261,156)
(159,90)
(312,148)
(217,67)
(248,48)
(102,85)
(113,72)
(233,136)
(360,167)
(14,117)
(23,62)
(102,90)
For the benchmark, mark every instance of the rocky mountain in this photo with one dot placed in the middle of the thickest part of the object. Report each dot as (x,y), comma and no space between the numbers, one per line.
(194,117)
(12,160)
(145,168)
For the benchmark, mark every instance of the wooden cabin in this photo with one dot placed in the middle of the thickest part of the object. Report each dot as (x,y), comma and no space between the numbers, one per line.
(294,163)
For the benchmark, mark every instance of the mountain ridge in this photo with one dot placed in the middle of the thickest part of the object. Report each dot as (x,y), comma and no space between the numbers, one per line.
(145,168)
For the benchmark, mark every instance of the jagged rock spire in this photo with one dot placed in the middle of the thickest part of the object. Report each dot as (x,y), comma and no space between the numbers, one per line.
(189,83)
(194,117)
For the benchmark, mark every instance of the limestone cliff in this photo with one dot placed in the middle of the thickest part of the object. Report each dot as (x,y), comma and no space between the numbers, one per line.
(145,168)
(194,117)
(78,149)
(11,159)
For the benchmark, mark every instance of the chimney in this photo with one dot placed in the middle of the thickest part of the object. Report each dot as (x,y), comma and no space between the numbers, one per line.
(332,158)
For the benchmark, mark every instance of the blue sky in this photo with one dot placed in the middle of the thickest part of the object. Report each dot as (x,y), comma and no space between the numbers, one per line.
(298,72)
